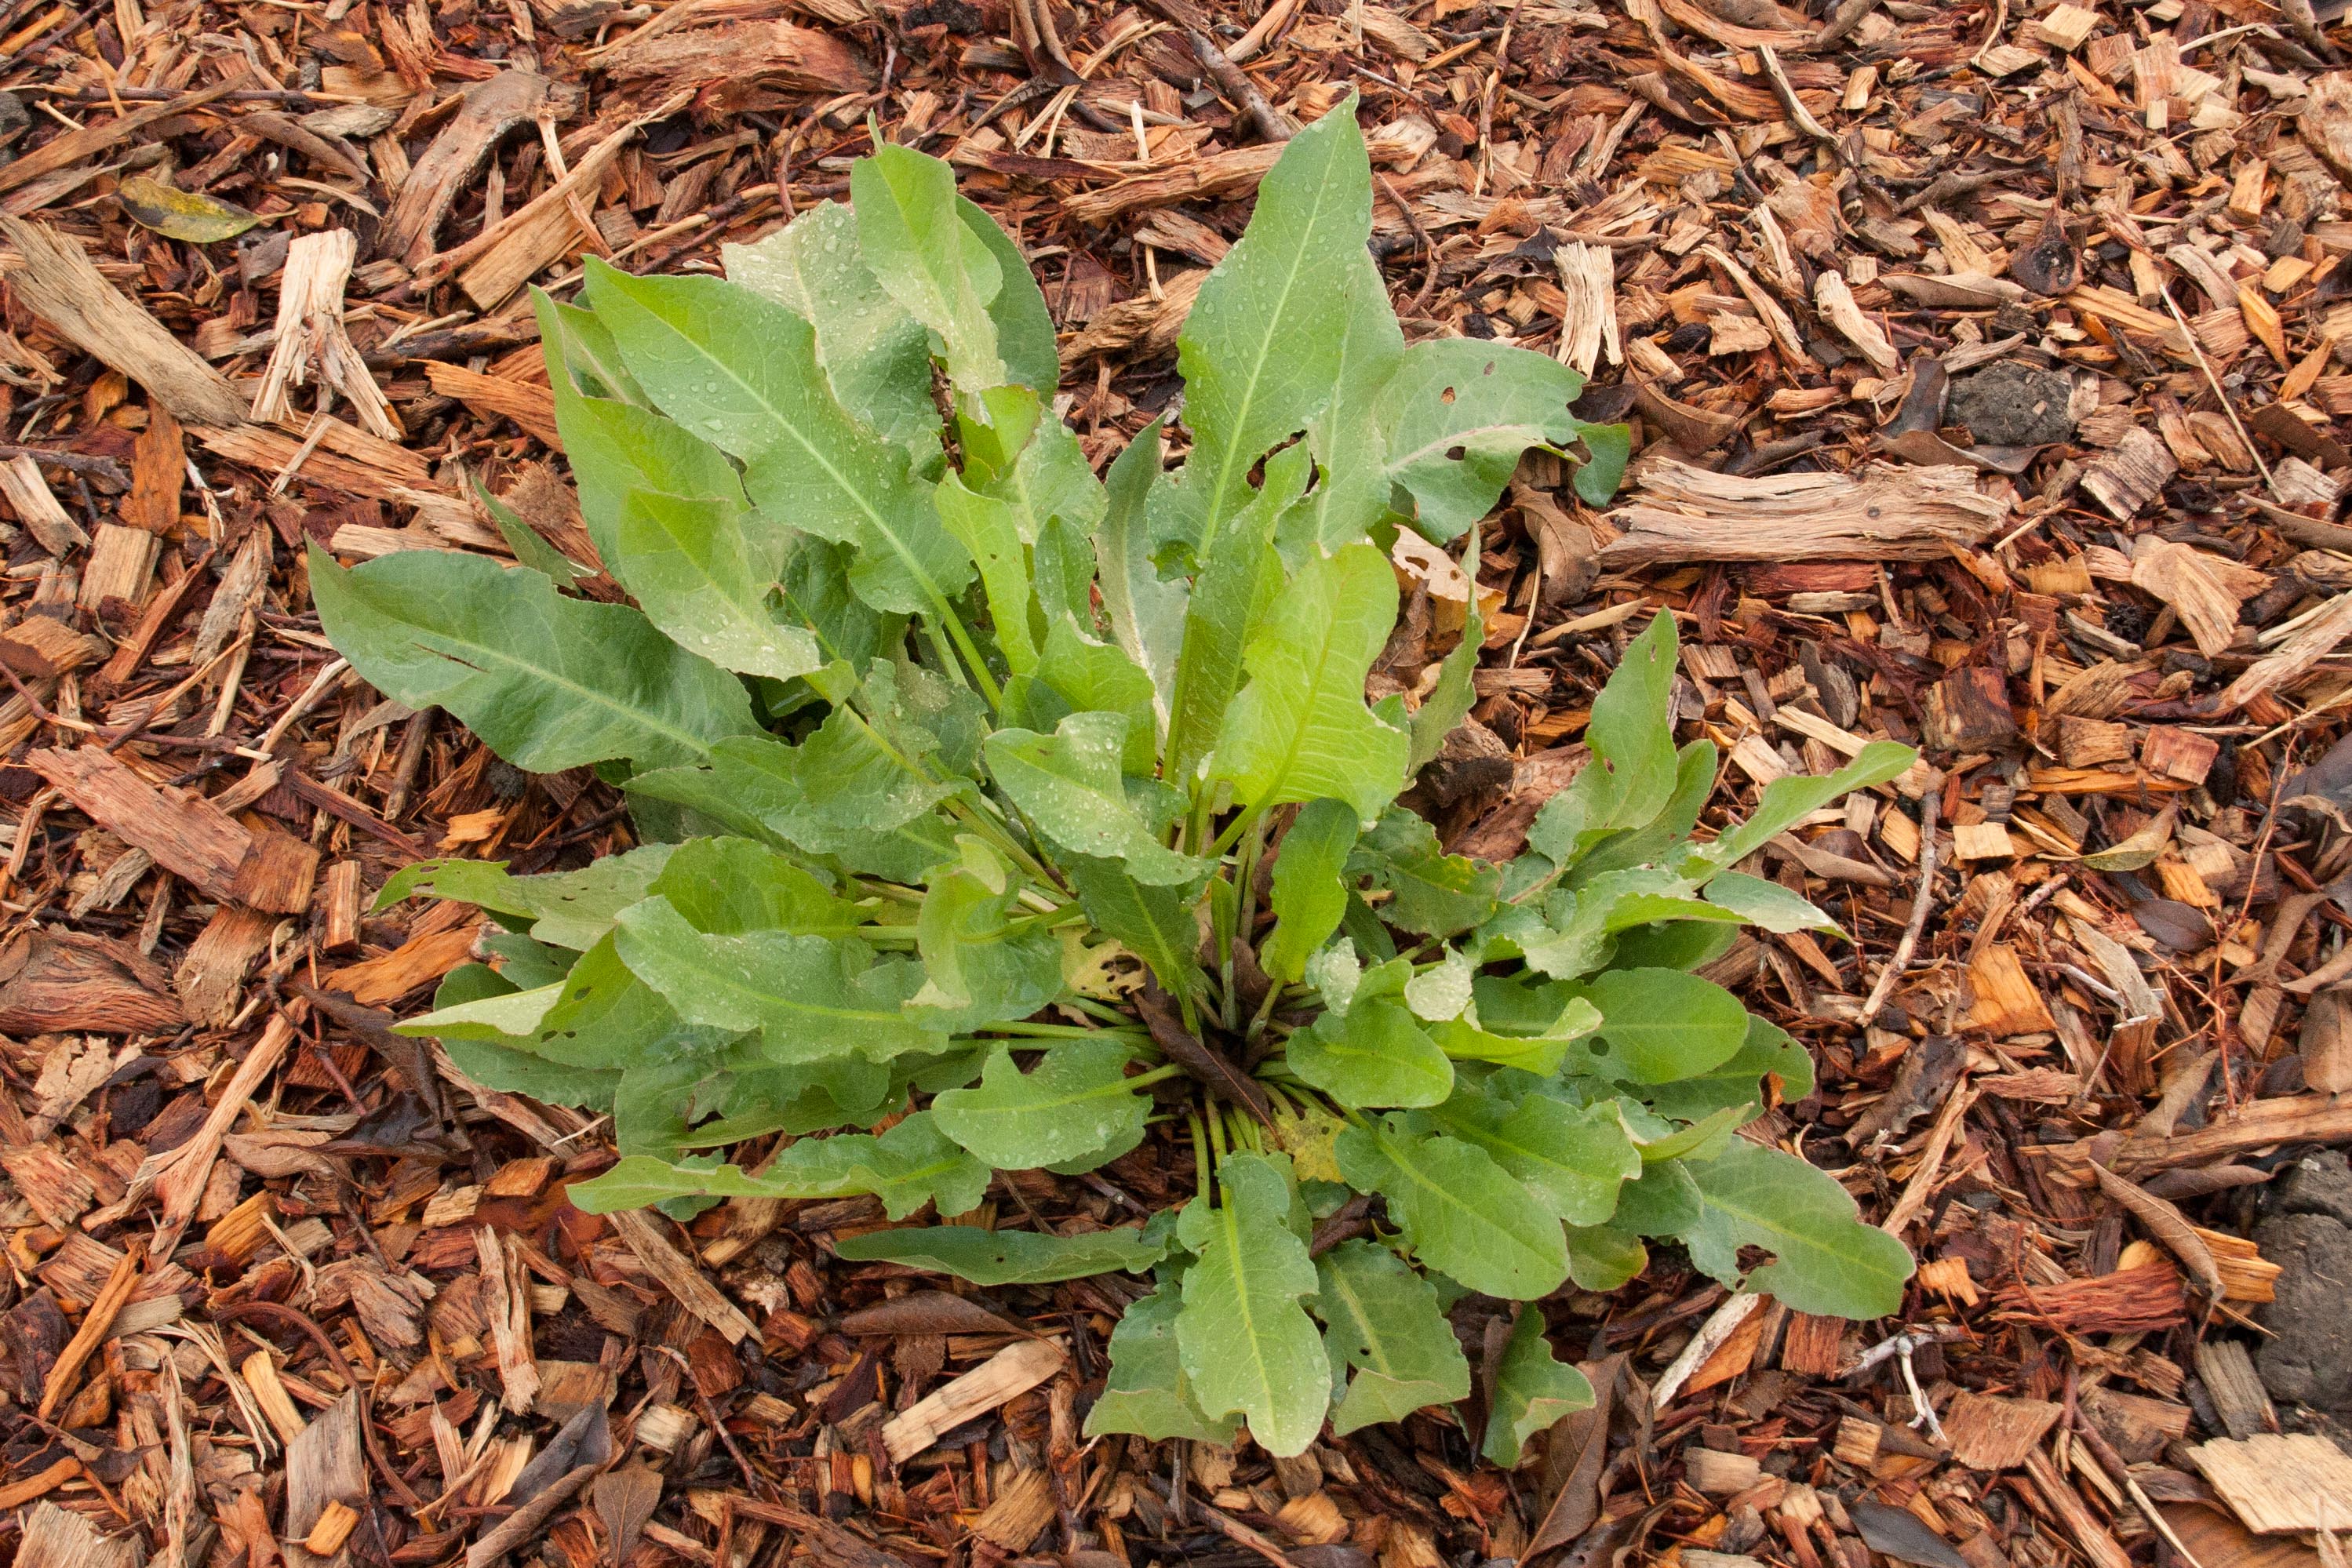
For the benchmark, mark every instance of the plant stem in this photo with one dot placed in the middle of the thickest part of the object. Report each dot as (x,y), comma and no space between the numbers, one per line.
(1265,1012)
(945,616)
(1235,829)
(1057,1031)
(1200,1153)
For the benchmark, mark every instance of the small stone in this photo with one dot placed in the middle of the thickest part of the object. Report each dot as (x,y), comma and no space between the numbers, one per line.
(2308,1360)
(2013,404)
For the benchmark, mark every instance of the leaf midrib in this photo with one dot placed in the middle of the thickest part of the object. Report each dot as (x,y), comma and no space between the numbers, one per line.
(423,637)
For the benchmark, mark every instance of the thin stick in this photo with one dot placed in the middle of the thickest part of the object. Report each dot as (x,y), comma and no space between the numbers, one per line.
(1929,805)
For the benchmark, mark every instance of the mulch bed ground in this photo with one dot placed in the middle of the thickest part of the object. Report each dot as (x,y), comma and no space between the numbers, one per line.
(1984,363)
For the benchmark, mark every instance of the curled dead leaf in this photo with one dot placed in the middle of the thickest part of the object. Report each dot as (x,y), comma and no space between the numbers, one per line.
(179,214)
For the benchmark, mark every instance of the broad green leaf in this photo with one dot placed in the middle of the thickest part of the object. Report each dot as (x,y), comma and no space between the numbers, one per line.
(1025,338)
(1353,490)
(1687,944)
(700,576)
(1532,1390)
(1458,412)
(1147,1393)
(1308,894)
(1660,1025)
(816,594)
(1267,339)
(1608,448)
(1634,770)
(1431,893)
(729,885)
(995,1258)
(1541,1052)
(1238,581)
(1075,1101)
(1665,836)
(1300,731)
(1662,1201)
(742,371)
(1015,450)
(877,356)
(529,546)
(1247,1346)
(1146,615)
(1658,1140)
(1603,1258)
(1450,700)
(814,1097)
(1464,1213)
(1575,1157)
(911,1165)
(983,966)
(812,997)
(581,354)
(1787,801)
(1089,675)
(1374,1054)
(1070,784)
(567,908)
(1766,904)
(1155,924)
(932,263)
(1383,1320)
(1825,1259)
(548,682)
(986,528)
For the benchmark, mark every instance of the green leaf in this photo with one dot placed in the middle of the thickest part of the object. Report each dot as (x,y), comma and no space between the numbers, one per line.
(994,1257)
(1155,924)
(1238,581)
(1383,1320)
(1532,1390)
(1574,1157)
(1458,413)
(1787,801)
(1014,450)
(1374,1054)
(1450,700)
(877,356)
(1603,1258)
(1077,1100)
(731,885)
(1661,1025)
(1146,615)
(984,966)
(1070,784)
(1308,896)
(529,548)
(986,527)
(1347,437)
(1025,327)
(1608,447)
(1246,1343)
(581,355)
(1300,731)
(1825,1260)
(1147,1393)
(703,580)
(911,1165)
(1465,1215)
(1097,676)
(1634,769)
(1766,904)
(1433,892)
(548,682)
(931,261)
(1267,337)
(812,997)
(742,371)
(567,908)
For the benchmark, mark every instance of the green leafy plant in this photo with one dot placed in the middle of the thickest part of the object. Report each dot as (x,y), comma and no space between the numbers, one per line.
(1016,813)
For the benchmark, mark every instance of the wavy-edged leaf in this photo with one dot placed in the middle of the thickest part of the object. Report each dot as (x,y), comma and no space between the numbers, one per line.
(1603,1258)
(1147,1393)
(1374,1054)
(1738,1080)
(1263,346)
(1661,1025)
(1300,731)
(981,964)
(986,527)
(1025,338)
(1634,770)
(1155,924)
(1464,1214)
(1532,1389)
(1077,1100)
(912,1163)
(1100,676)
(1459,413)
(1347,437)
(1246,1343)
(741,371)
(994,1257)
(812,997)
(1574,1157)
(700,576)
(1825,1259)
(877,356)
(1381,1319)
(1431,893)
(726,885)
(1308,897)
(548,682)
(1071,785)
(935,265)
(566,908)
(1236,585)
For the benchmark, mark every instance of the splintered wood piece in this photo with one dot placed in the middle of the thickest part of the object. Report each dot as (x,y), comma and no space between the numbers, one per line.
(2227,1370)
(210,979)
(800,58)
(485,111)
(71,980)
(58,284)
(2205,588)
(342,899)
(74,146)
(1838,307)
(505,1300)
(2089,742)
(1719,1474)
(2171,752)
(1969,710)
(529,404)
(37,506)
(187,834)
(679,1275)
(1881,513)
(1226,175)
(2099,1548)
(310,336)
(260,1372)
(159,469)
(543,232)
(334,1528)
(41,645)
(94,1324)
(2279,1485)
(2320,633)
(2008,1003)
(324,1466)
(1588,283)
(57,1538)
(1993,1434)
(1020,1512)
(179,1175)
(122,565)
(1009,1373)
(2131,475)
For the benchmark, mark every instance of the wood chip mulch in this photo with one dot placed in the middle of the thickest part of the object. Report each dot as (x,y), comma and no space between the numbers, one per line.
(1985,362)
